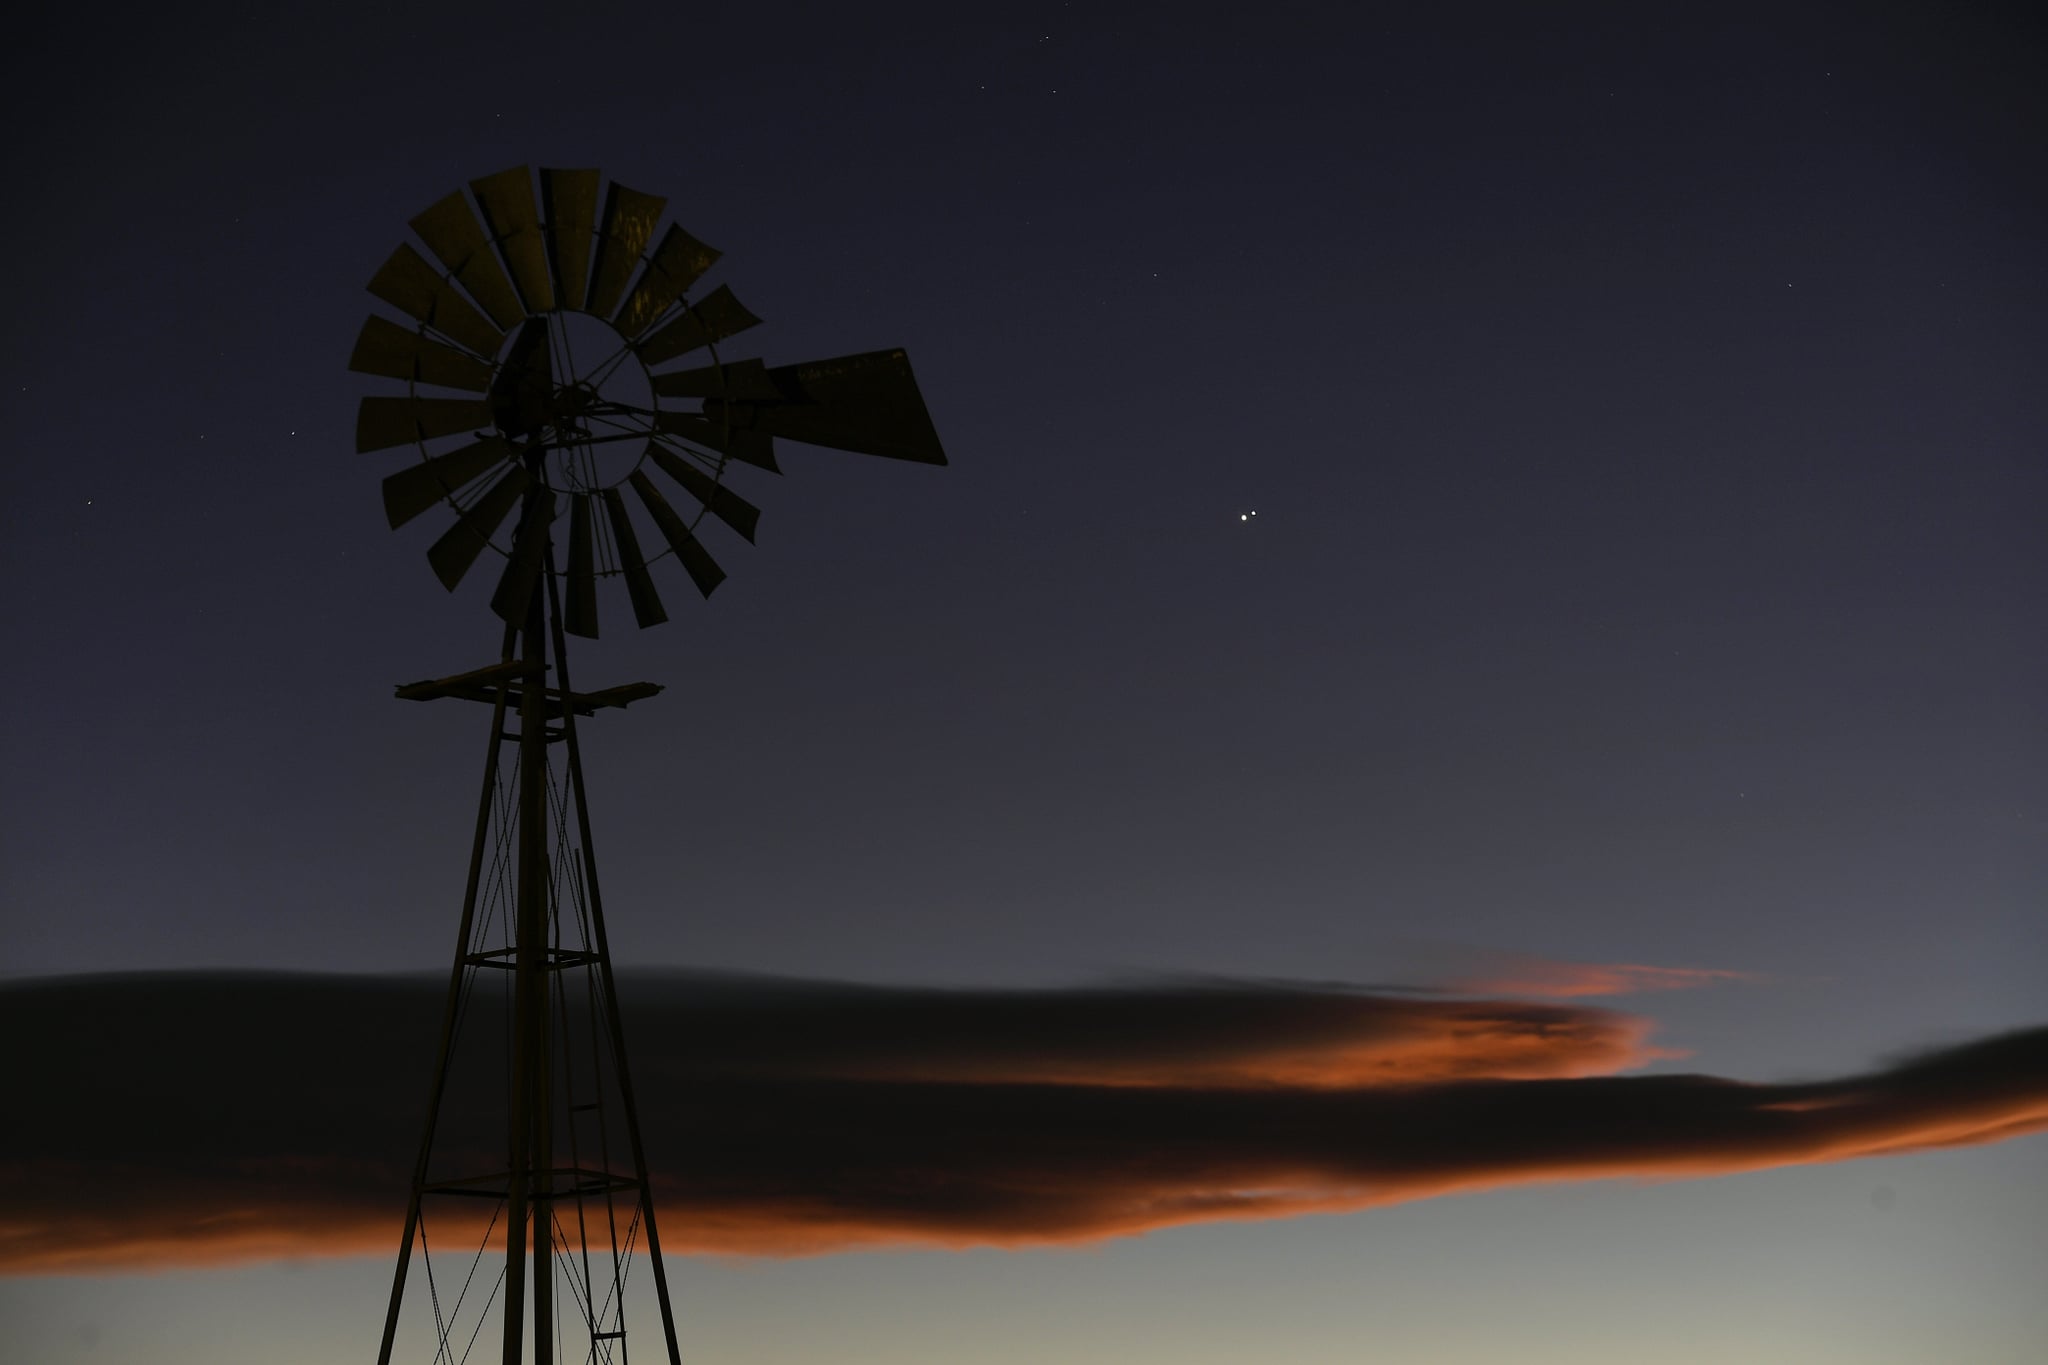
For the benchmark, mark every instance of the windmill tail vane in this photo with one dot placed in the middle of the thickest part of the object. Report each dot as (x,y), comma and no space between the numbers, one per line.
(558,359)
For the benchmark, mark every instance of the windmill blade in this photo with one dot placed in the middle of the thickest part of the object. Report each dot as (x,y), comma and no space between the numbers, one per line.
(385,422)
(409,284)
(525,386)
(629,219)
(415,488)
(675,266)
(735,379)
(750,446)
(569,199)
(459,546)
(714,317)
(579,615)
(513,600)
(514,224)
(385,348)
(868,404)
(639,583)
(697,560)
(728,506)
(452,233)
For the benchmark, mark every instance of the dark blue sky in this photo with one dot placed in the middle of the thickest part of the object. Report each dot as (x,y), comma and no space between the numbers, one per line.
(1642,411)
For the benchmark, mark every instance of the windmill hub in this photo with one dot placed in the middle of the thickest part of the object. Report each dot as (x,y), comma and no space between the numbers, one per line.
(569,392)
(575,399)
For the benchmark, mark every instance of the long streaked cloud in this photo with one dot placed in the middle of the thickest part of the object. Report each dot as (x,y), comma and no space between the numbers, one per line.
(182,1119)
(1520,974)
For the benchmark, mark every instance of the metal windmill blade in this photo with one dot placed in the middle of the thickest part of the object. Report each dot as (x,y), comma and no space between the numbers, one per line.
(535,359)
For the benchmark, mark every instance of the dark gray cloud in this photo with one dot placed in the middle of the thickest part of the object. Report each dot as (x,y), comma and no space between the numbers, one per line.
(185,1117)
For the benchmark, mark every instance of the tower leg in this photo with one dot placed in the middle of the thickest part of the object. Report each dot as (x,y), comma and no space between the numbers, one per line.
(449,1014)
(613,1024)
(530,1117)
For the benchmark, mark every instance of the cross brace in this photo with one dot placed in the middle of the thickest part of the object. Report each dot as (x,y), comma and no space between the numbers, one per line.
(484,684)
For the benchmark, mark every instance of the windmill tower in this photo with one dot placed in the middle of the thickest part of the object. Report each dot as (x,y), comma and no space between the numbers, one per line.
(555,356)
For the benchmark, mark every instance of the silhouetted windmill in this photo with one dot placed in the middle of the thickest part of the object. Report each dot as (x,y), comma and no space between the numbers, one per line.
(537,363)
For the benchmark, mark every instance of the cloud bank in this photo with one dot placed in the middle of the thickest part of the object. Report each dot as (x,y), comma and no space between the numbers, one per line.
(191,1118)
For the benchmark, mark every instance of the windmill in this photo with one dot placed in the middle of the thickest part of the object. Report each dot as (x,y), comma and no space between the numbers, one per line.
(557,355)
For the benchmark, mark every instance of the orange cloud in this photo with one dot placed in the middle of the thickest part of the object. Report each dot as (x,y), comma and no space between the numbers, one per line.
(1520,975)
(1221,1037)
(209,1119)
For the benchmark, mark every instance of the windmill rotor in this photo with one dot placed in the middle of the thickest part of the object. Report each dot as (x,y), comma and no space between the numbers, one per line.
(560,360)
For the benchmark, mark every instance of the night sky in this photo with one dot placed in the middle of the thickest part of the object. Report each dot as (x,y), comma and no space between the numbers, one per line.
(1507,522)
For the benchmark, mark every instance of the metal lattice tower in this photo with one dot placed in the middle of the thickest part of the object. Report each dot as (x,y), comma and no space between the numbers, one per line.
(532,1153)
